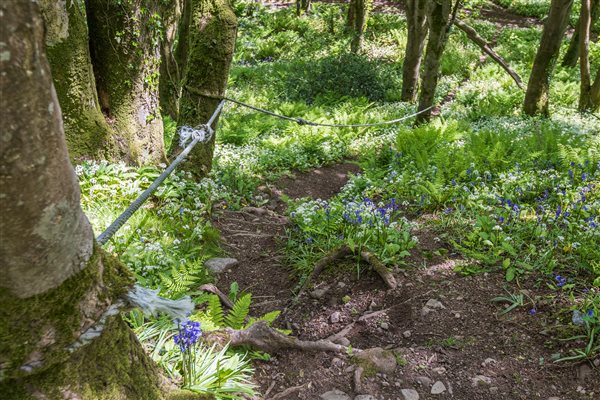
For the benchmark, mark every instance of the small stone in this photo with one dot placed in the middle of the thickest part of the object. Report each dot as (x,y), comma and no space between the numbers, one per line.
(406,334)
(439,370)
(341,284)
(336,362)
(409,394)
(494,390)
(334,318)
(487,362)
(457,315)
(553,398)
(584,372)
(384,383)
(349,368)
(480,380)
(438,388)
(385,326)
(218,265)
(319,292)
(424,381)
(434,304)
(334,395)
(425,311)
(379,359)
(364,397)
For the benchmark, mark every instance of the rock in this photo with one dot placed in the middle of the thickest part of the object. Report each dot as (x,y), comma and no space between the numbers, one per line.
(406,334)
(385,326)
(553,398)
(334,395)
(480,380)
(341,284)
(334,318)
(438,388)
(336,362)
(424,381)
(488,362)
(218,265)
(379,359)
(425,310)
(439,370)
(434,304)
(577,318)
(364,397)
(409,394)
(584,372)
(319,292)
(494,390)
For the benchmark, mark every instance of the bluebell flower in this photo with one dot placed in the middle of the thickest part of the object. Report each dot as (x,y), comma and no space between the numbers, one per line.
(448,210)
(558,211)
(590,313)
(533,311)
(583,176)
(560,280)
(188,335)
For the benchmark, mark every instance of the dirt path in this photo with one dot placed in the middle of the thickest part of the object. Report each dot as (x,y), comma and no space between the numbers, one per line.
(445,333)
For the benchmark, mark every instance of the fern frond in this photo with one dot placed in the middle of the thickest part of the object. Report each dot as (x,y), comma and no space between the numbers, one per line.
(236,317)
(215,310)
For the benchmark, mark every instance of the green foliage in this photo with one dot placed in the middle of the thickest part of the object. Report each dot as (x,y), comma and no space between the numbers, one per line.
(236,317)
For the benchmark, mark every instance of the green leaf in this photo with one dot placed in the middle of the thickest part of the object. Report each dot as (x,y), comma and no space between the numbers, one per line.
(510,274)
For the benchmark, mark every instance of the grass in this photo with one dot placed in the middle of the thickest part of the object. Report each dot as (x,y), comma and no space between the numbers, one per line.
(512,194)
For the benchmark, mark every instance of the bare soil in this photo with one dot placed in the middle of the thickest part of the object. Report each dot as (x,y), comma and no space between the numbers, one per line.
(466,339)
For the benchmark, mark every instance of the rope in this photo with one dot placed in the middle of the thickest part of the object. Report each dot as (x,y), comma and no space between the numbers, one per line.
(301,121)
(203,134)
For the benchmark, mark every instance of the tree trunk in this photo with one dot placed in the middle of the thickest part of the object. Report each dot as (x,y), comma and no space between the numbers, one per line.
(358,16)
(586,101)
(211,43)
(572,55)
(55,283)
(302,7)
(536,98)
(125,38)
(416,18)
(67,45)
(170,77)
(439,18)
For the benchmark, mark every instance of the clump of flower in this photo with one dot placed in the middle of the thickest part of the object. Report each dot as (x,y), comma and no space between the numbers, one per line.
(187,338)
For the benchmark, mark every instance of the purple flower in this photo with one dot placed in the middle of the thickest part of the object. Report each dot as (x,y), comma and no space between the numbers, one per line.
(188,335)
(533,311)
(560,280)
(448,210)
(558,211)
(590,313)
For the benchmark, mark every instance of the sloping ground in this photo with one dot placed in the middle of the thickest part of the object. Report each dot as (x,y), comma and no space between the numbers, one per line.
(446,335)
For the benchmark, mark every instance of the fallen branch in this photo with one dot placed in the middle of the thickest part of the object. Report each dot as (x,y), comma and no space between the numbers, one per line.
(287,392)
(210,288)
(487,49)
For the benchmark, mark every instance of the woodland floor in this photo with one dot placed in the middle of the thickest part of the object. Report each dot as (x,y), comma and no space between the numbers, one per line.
(462,343)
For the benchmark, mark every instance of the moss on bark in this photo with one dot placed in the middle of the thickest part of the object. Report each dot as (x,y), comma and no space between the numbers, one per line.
(124,41)
(210,44)
(67,47)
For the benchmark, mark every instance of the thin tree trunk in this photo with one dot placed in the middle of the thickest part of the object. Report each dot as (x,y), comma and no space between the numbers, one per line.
(572,55)
(302,7)
(211,43)
(125,44)
(536,97)
(359,15)
(487,49)
(67,45)
(439,18)
(416,18)
(586,102)
(55,284)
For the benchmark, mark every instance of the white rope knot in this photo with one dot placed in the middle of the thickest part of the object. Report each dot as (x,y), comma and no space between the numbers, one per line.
(187,134)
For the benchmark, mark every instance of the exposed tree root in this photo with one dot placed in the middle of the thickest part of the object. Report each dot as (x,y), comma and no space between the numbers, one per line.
(215,290)
(380,268)
(287,392)
(260,336)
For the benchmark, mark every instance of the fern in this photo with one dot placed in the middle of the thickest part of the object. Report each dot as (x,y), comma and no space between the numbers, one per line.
(215,310)
(236,317)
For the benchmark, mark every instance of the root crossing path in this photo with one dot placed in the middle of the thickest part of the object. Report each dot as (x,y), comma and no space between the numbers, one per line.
(436,335)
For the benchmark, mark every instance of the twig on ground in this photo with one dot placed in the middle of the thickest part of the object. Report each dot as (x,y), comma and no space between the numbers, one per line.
(215,290)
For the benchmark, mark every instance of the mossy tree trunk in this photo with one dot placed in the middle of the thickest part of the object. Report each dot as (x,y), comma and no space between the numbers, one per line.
(67,45)
(572,55)
(358,16)
(170,76)
(438,14)
(588,96)
(536,97)
(416,18)
(125,49)
(55,283)
(210,45)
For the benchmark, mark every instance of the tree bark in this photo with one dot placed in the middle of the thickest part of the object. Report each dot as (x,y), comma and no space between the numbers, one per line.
(439,17)
(170,76)
(55,283)
(67,46)
(358,16)
(416,18)
(302,7)
(125,50)
(536,97)
(572,55)
(487,49)
(211,43)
